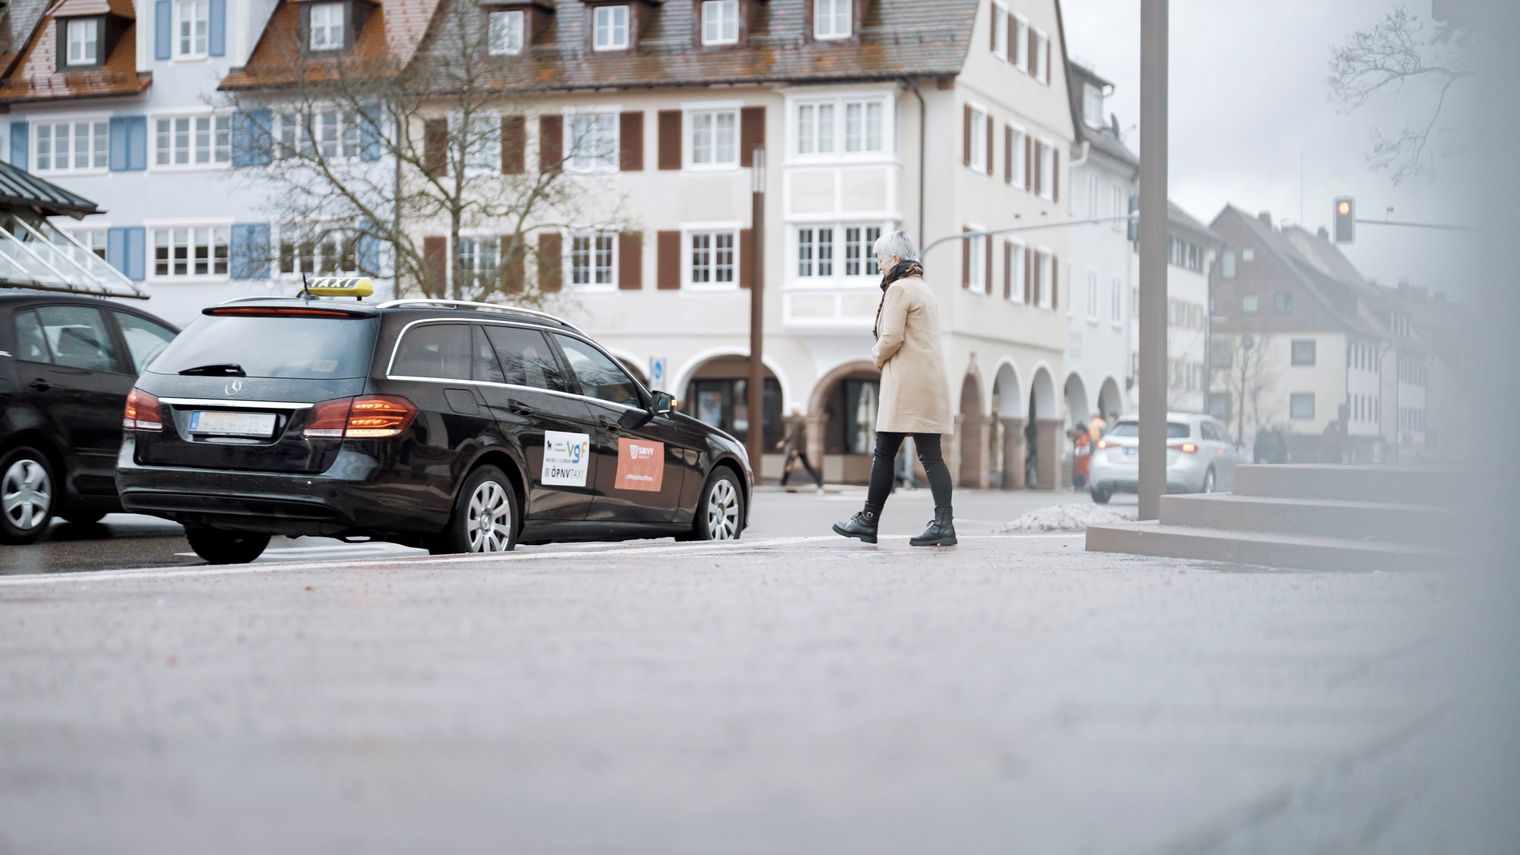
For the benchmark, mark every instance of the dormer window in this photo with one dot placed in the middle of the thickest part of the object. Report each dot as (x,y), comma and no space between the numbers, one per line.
(720,22)
(325,26)
(1092,105)
(506,33)
(192,28)
(831,19)
(83,42)
(610,28)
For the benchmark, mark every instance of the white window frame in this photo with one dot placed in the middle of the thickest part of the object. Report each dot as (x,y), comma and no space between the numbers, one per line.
(1044,278)
(320,251)
(693,115)
(97,150)
(824,123)
(154,230)
(93,238)
(728,20)
(689,236)
(1120,204)
(607,25)
(593,235)
(330,28)
(346,136)
(511,22)
(485,157)
(1041,57)
(1020,168)
(1000,31)
(1292,410)
(1045,161)
(1019,55)
(1116,300)
(218,140)
(188,44)
(1019,254)
(805,272)
(1092,96)
(83,27)
(1092,295)
(980,274)
(979,153)
(574,161)
(841,10)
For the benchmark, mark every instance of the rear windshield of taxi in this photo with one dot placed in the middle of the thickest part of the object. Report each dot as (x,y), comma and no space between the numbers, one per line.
(280,347)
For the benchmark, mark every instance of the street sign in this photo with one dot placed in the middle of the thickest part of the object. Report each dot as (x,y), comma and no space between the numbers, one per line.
(657,373)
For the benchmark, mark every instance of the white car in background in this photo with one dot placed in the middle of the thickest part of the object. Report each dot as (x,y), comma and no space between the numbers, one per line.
(1200,457)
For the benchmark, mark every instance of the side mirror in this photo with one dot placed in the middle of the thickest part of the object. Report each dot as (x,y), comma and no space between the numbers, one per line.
(663,403)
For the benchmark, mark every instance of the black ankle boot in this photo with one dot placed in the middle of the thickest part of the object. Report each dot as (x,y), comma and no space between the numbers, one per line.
(862,525)
(941,532)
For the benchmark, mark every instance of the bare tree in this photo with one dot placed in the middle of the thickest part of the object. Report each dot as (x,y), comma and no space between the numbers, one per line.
(1397,58)
(1250,376)
(381,166)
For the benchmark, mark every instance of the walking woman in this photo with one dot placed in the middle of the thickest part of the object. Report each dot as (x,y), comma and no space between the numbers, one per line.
(915,396)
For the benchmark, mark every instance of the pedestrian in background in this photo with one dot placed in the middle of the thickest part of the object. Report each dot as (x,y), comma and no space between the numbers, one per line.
(915,394)
(793,448)
(1096,427)
(1081,457)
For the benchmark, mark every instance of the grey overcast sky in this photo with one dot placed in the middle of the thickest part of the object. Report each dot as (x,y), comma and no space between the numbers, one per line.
(1249,97)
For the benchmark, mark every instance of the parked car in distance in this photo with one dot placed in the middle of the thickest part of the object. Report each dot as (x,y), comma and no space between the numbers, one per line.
(1200,457)
(453,426)
(67,363)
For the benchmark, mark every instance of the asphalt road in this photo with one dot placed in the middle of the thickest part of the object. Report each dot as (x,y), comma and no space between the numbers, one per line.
(1014,694)
(123,540)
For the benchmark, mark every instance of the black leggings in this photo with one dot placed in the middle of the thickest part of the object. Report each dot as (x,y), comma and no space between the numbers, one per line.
(883,468)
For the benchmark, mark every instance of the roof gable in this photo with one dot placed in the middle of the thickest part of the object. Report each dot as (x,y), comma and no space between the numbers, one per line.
(34,74)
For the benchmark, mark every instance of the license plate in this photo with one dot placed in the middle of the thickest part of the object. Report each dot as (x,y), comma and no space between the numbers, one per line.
(223,423)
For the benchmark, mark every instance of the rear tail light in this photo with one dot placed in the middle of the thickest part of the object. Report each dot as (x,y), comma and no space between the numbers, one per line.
(368,417)
(1185,448)
(142,412)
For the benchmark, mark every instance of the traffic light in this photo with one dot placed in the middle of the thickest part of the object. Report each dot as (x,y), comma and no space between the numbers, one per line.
(1133,226)
(1345,220)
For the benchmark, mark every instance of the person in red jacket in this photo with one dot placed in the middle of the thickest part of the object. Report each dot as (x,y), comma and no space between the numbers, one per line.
(1081,457)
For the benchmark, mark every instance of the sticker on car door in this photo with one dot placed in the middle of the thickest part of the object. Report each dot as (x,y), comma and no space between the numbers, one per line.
(641,465)
(566,459)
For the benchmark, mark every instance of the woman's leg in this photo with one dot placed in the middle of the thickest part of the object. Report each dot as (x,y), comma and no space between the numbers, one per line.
(934,466)
(882,469)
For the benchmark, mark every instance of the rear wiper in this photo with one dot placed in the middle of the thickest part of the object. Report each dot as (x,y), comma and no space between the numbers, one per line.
(220,369)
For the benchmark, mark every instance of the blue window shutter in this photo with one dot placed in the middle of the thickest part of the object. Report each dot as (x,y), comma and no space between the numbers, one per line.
(251,140)
(136,254)
(217,21)
(137,141)
(163,29)
(368,251)
(116,248)
(369,133)
(249,250)
(20,149)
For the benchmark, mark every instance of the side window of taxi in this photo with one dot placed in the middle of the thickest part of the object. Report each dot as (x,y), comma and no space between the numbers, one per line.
(599,377)
(443,351)
(526,358)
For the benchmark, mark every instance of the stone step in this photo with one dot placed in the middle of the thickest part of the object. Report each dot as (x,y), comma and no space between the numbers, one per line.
(1264,548)
(1334,518)
(1398,484)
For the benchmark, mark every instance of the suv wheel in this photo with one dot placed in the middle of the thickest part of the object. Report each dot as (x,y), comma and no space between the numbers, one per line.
(1101,495)
(485,516)
(722,508)
(226,547)
(26,495)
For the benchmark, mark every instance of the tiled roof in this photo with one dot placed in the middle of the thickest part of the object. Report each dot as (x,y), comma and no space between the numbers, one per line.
(1178,217)
(896,38)
(82,8)
(21,189)
(34,75)
(389,39)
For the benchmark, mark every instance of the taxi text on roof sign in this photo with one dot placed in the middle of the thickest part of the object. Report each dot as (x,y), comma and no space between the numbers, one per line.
(341,286)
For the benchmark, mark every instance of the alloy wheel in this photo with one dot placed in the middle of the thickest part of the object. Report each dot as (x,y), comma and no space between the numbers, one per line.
(723,511)
(489,522)
(26,494)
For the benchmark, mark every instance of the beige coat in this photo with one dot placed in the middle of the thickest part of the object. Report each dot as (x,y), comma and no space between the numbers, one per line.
(915,396)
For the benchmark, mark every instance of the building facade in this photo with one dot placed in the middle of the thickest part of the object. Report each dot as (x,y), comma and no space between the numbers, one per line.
(1191,252)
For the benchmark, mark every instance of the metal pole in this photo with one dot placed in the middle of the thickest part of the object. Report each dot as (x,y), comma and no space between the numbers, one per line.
(1153,246)
(755,441)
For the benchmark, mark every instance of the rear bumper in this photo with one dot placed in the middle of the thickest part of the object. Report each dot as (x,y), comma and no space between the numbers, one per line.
(1185,475)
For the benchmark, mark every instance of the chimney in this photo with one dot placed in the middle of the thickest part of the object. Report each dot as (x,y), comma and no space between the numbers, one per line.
(1323,233)
(1266,218)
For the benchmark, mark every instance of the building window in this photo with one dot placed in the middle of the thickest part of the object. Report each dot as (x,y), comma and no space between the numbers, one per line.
(1092,296)
(483,144)
(333,134)
(862,126)
(714,138)
(1000,32)
(506,33)
(83,41)
(1227,264)
(831,19)
(1301,405)
(1282,301)
(1047,167)
(977,274)
(1020,47)
(815,252)
(815,128)
(1116,300)
(818,250)
(477,258)
(859,250)
(720,22)
(192,28)
(610,28)
(93,241)
(1045,278)
(714,258)
(1016,258)
(1092,105)
(1020,178)
(192,141)
(1303,351)
(863,131)
(325,26)
(1042,57)
(71,146)
(326,254)
(591,259)
(1117,208)
(1248,255)
(979,151)
(593,142)
(1249,304)
(190,252)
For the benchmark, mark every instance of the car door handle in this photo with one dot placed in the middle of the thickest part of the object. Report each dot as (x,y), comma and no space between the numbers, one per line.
(41,385)
(520,408)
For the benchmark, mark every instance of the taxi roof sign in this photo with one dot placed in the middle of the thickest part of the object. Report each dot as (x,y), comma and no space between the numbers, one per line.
(341,286)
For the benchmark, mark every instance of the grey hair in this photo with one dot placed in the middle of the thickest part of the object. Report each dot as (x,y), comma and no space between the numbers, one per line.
(896,243)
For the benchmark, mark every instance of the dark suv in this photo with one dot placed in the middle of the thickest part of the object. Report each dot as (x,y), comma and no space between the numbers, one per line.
(67,363)
(452,426)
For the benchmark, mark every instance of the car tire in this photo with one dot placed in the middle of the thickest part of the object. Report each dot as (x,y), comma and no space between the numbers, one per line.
(720,513)
(485,518)
(83,517)
(28,494)
(226,547)
(1101,495)
(1208,481)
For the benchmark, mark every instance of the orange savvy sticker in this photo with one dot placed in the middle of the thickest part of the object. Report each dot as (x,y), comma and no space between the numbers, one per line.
(641,465)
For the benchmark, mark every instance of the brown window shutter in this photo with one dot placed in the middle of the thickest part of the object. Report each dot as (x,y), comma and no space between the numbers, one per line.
(668,259)
(435,266)
(1055,282)
(1013,35)
(966,261)
(550,264)
(435,146)
(513,139)
(966,156)
(1029,277)
(1007,270)
(1039,172)
(551,143)
(511,267)
(992,30)
(745,262)
(986,282)
(751,133)
(1007,155)
(991,145)
(1028,162)
(631,261)
(631,141)
(1049,51)
(1030,57)
(1055,175)
(670,139)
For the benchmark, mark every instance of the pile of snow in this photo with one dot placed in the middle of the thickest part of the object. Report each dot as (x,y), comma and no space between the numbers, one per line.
(1073,517)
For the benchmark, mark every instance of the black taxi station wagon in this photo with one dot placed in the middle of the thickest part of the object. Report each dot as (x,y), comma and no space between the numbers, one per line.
(454,426)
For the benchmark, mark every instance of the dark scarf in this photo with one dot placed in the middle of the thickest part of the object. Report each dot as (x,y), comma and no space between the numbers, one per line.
(903,270)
